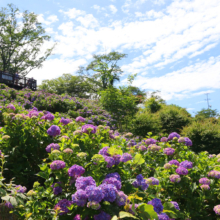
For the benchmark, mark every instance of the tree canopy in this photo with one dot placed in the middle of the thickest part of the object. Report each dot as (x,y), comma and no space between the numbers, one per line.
(21,41)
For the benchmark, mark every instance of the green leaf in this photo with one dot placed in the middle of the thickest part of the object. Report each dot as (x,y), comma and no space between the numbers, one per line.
(147,212)
(43,175)
(114,218)
(13,201)
(2,192)
(170,210)
(126,214)
(138,159)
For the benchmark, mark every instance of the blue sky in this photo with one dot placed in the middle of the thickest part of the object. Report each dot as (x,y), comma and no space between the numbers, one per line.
(173,45)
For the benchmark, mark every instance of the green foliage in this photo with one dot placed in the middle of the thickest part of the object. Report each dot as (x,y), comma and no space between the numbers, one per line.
(152,105)
(67,84)
(205,136)
(21,41)
(173,118)
(206,113)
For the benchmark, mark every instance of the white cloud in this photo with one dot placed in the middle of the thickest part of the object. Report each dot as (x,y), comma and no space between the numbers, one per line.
(190,109)
(113,9)
(49,20)
(98,8)
(73,13)
(88,21)
(126,6)
(185,82)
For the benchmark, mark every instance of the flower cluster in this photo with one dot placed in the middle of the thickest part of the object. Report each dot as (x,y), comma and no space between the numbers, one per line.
(21,189)
(169,151)
(214,173)
(76,171)
(62,206)
(88,128)
(140,182)
(57,165)
(57,189)
(52,146)
(53,131)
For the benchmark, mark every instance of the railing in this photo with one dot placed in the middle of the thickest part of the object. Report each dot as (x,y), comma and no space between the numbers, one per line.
(19,82)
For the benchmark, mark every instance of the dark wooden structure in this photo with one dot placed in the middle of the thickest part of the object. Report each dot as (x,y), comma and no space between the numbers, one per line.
(18,83)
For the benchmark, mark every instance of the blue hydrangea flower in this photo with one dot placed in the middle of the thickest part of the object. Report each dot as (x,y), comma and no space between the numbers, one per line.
(80,197)
(186,164)
(172,135)
(163,216)
(176,205)
(109,191)
(83,182)
(53,131)
(125,157)
(156,203)
(102,216)
(94,193)
(115,175)
(76,171)
(121,198)
(63,204)
(114,181)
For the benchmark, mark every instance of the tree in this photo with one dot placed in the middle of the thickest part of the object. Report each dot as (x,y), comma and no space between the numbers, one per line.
(21,40)
(67,84)
(207,113)
(103,71)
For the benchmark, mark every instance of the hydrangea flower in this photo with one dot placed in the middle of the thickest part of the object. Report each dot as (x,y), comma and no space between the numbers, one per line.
(167,166)
(186,164)
(154,147)
(9,205)
(33,113)
(169,151)
(163,139)
(113,181)
(11,106)
(150,141)
(65,121)
(110,161)
(140,182)
(68,151)
(102,216)
(63,204)
(175,178)
(52,146)
(217,209)
(109,191)
(174,162)
(53,131)
(156,203)
(80,197)
(152,181)
(188,142)
(163,216)
(57,189)
(104,151)
(205,187)
(115,175)
(182,171)
(20,189)
(77,217)
(214,173)
(80,119)
(83,182)
(205,181)
(89,128)
(125,157)
(176,205)
(142,148)
(49,117)
(121,198)
(94,193)
(76,171)
(57,165)
(172,135)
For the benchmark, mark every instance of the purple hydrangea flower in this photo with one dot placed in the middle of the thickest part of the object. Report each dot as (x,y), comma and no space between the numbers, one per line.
(156,203)
(163,216)
(49,117)
(94,193)
(109,191)
(102,216)
(9,205)
(113,181)
(140,182)
(57,165)
(167,166)
(175,178)
(186,164)
(142,148)
(52,146)
(54,130)
(176,205)
(125,157)
(63,204)
(88,127)
(80,197)
(152,181)
(77,217)
(205,181)
(174,162)
(33,113)
(150,141)
(83,182)
(104,151)
(11,106)
(172,135)
(154,147)
(57,189)
(80,119)
(76,171)
(65,121)
(205,187)
(169,151)
(110,161)
(20,189)
(121,198)
(163,139)
(182,171)
(117,158)
(115,175)
(188,142)
(217,209)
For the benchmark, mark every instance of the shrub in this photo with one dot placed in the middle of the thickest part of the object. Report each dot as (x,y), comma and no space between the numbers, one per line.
(205,136)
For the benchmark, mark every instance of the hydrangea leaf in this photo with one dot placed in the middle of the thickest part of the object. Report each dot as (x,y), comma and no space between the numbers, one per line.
(138,159)
(147,212)
(126,214)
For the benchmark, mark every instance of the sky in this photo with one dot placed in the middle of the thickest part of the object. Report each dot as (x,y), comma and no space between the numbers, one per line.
(172,45)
